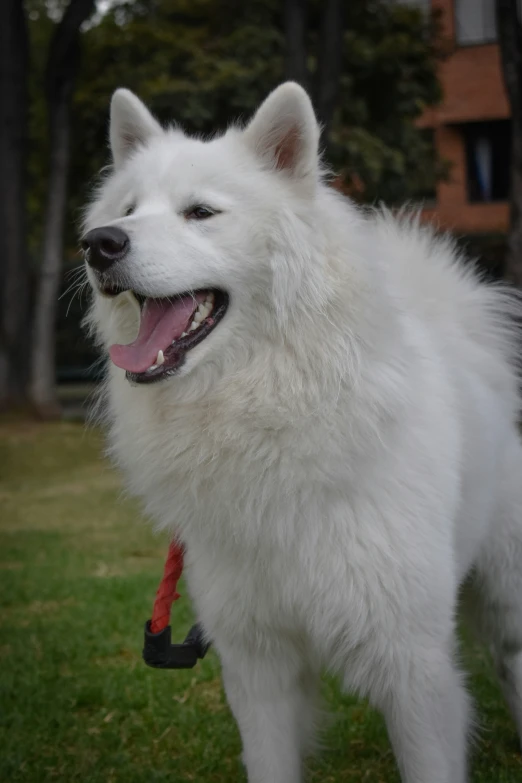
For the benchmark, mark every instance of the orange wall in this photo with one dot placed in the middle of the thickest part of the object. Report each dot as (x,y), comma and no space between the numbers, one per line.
(470,218)
(472,86)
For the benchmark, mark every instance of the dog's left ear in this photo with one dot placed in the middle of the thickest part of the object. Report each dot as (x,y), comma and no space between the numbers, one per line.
(284,132)
(131,125)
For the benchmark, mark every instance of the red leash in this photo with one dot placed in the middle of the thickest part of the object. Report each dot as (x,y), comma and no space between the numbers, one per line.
(158,651)
(167,590)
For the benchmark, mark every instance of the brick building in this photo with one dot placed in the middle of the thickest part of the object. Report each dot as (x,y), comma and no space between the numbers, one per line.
(471,126)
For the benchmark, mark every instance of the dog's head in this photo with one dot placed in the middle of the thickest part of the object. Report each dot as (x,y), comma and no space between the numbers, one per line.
(192,245)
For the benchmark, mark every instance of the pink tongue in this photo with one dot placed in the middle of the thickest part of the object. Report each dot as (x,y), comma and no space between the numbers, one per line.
(162,321)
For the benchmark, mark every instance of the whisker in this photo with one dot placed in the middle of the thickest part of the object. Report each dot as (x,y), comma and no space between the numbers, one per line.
(71,300)
(75,270)
(74,284)
(82,289)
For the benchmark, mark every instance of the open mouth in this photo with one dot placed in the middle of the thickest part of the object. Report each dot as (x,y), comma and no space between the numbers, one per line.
(169,328)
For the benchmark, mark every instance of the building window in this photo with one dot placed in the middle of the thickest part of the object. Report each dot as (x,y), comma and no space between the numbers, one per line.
(475,21)
(488,146)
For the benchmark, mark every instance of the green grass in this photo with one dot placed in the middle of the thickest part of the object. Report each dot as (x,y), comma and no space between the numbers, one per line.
(79,570)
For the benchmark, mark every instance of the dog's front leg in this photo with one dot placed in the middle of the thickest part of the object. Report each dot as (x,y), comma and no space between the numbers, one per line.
(273,703)
(427,712)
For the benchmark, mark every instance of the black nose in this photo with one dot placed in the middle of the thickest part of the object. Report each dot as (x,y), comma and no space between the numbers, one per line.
(105,246)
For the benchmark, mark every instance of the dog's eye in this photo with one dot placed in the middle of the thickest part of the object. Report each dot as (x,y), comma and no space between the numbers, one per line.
(130,209)
(199,212)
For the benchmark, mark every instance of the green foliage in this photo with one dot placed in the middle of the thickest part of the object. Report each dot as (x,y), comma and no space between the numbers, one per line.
(201,63)
(207,62)
(389,78)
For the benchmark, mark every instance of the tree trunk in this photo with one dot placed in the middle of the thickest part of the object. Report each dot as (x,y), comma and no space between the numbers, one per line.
(14,264)
(510,40)
(43,384)
(60,77)
(329,64)
(295,36)
(329,59)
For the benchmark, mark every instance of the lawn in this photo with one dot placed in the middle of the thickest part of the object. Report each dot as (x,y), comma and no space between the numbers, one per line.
(79,570)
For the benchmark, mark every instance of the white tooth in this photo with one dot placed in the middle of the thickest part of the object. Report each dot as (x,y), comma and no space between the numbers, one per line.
(210,297)
(160,359)
(193,326)
(205,309)
(198,316)
(152,367)
(183,335)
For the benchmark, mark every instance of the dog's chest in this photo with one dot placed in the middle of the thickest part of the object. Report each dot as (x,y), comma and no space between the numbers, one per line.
(237,493)
(238,594)
(269,548)
(219,469)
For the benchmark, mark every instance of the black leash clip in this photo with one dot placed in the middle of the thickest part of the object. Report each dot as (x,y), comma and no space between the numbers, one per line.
(160,653)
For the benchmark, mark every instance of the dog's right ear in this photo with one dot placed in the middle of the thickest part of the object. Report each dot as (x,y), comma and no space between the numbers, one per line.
(131,124)
(284,133)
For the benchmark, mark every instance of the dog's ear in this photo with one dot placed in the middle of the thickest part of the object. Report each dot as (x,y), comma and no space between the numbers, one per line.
(131,124)
(284,132)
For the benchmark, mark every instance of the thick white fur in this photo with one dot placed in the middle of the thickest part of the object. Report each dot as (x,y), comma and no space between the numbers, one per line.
(338,455)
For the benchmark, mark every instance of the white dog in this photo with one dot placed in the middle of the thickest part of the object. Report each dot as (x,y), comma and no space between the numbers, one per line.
(321,405)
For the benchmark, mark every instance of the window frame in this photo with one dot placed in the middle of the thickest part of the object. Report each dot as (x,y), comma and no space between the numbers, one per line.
(469,44)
